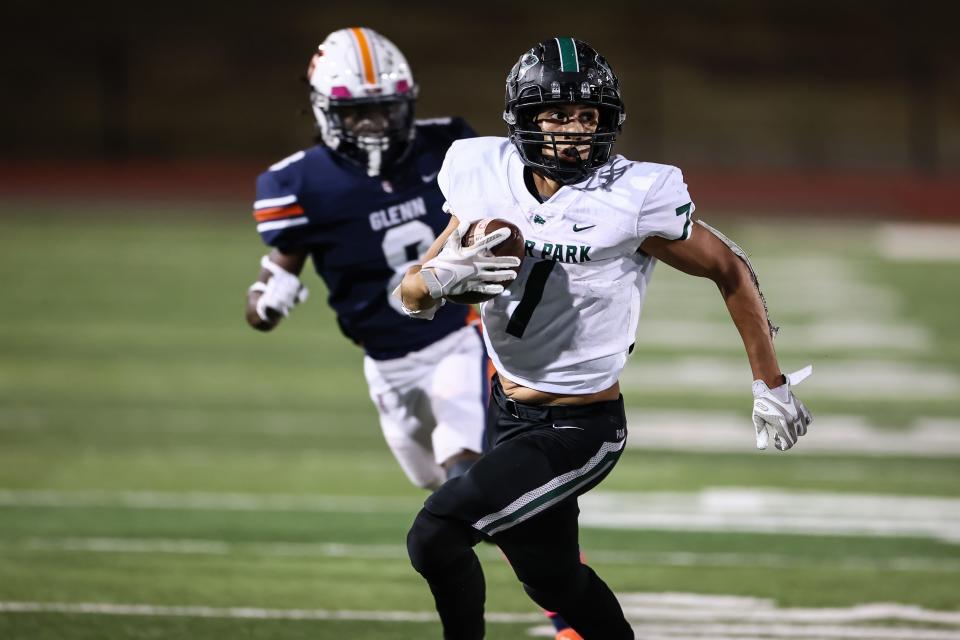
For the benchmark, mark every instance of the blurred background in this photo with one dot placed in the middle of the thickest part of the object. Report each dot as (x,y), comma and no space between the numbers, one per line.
(157,453)
(822,100)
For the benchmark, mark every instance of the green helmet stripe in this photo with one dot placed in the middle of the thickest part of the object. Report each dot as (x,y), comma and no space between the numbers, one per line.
(568,54)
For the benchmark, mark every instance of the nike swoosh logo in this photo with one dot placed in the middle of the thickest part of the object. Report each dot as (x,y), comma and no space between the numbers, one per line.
(789,407)
(577,229)
(429,177)
(558,427)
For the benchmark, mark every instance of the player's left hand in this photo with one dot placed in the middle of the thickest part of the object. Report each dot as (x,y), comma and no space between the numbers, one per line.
(279,294)
(779,411)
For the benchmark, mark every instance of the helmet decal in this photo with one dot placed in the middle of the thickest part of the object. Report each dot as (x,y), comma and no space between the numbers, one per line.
(526,63)
(603,70)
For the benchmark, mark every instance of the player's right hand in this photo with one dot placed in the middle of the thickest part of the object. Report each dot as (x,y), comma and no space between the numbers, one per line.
(457,270)
(278,295)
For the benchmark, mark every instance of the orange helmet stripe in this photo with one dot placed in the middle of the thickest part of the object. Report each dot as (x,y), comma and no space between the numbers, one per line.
(366,56)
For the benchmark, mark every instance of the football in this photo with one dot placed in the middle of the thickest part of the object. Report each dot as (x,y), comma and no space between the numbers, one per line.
(512,246)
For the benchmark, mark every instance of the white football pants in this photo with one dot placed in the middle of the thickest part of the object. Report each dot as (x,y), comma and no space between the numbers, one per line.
(432,403)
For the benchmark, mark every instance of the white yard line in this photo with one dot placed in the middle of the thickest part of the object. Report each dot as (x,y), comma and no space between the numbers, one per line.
(248,613)
(805,285)
(851,379)
(670,615)
(919,242)
(211,547)
(715,509)
(775,511)
(772,631)
(399,552)
(770,561)
(648,609)
(733,432)
(840,335)
(210,501)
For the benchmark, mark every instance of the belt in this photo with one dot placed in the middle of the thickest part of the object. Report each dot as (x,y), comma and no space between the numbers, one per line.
(548,413)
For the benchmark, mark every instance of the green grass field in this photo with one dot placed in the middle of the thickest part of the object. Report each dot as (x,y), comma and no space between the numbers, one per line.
(156,451)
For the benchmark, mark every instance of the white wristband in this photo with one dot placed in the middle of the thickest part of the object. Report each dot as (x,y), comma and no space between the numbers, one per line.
(421,314)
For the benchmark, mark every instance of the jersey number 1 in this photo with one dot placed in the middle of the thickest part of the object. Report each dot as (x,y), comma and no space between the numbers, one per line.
(532,295)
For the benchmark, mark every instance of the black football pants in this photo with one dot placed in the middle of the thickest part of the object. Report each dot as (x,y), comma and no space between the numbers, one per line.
(522,496)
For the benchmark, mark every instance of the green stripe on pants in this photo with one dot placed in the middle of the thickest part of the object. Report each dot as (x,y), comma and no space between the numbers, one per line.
(549,494)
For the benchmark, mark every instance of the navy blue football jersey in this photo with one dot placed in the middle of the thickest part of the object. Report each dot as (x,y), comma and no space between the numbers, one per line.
(363,232)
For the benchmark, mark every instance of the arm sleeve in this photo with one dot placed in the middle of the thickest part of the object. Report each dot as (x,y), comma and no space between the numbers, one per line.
(667,210)
(279,216)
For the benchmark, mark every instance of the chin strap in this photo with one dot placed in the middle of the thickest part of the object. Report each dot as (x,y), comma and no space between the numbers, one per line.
(740,253)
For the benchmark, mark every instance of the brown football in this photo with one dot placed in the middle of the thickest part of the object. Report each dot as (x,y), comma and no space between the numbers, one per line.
(512,246)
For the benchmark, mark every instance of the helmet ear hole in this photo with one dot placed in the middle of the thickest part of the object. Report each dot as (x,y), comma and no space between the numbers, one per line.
(610,119)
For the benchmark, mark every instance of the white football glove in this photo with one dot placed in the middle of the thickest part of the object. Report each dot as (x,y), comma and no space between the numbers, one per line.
(280,293)
(778,411)
(457,270)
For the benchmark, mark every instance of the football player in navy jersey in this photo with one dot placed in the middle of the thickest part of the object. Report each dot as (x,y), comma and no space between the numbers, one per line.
(364,205)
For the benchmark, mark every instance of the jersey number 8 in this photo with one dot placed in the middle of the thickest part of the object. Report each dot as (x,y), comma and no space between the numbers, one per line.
(402,247)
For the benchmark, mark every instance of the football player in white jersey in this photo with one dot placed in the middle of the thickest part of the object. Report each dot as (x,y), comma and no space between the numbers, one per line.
(358,205)
(595,225)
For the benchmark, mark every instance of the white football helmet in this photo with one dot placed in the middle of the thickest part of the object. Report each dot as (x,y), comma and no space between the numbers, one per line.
(362,94)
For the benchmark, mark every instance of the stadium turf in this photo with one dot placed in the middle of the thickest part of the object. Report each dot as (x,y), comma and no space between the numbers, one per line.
(156,451)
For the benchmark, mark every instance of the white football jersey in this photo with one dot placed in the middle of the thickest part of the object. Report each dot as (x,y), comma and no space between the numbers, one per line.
(565,325)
